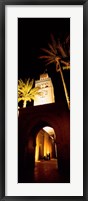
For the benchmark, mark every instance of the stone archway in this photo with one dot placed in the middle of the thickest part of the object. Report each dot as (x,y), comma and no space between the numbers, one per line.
(31,140)
(30,122)
(45,144)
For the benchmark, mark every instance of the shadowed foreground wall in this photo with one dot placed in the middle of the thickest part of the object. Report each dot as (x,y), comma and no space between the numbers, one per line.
(30,121)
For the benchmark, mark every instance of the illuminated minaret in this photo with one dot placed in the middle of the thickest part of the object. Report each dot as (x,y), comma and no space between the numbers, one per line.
(46,88)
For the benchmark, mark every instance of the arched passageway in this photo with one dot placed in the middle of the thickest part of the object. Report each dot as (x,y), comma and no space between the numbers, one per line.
(46,147)
(31,122)
(46,166)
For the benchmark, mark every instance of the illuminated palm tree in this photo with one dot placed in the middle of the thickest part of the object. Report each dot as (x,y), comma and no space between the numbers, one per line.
(56,54)
(26,92)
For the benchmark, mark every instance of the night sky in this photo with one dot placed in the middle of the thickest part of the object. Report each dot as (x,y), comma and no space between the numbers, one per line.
(34,34)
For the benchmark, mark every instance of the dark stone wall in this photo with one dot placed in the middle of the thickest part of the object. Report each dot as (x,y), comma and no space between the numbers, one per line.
(30,121)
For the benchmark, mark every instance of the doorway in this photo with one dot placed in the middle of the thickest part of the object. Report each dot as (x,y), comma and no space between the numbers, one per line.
(46,166)
(45,144)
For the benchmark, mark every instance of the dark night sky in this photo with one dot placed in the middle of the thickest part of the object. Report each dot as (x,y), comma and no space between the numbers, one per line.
(34,34)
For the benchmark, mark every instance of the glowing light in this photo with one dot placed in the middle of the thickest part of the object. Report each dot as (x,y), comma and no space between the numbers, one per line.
(49,130)
(43,143)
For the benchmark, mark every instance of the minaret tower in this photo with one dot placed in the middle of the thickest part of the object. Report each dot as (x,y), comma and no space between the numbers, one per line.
(46,88)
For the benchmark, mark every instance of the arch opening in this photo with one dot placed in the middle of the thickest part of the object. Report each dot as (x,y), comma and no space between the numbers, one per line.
(46,160)
(45,148)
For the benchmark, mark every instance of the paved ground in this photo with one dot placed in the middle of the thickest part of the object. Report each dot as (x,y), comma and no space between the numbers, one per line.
(47,172)
(44,172)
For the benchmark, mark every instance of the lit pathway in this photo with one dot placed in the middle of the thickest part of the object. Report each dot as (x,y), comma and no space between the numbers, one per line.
(47,172)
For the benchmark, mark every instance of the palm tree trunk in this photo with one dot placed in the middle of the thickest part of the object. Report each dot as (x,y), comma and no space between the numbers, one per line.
(24,104)
(64,85)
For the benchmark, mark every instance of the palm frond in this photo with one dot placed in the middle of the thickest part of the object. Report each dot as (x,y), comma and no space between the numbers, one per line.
(51,48)
(54,43)
(26,92)
(49,59)
(34,90)
(48,51)
(65,63)
(52,61)
(66,67)
(30,85)
(61,50)
(45,57)
(20,99)
(56,54)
